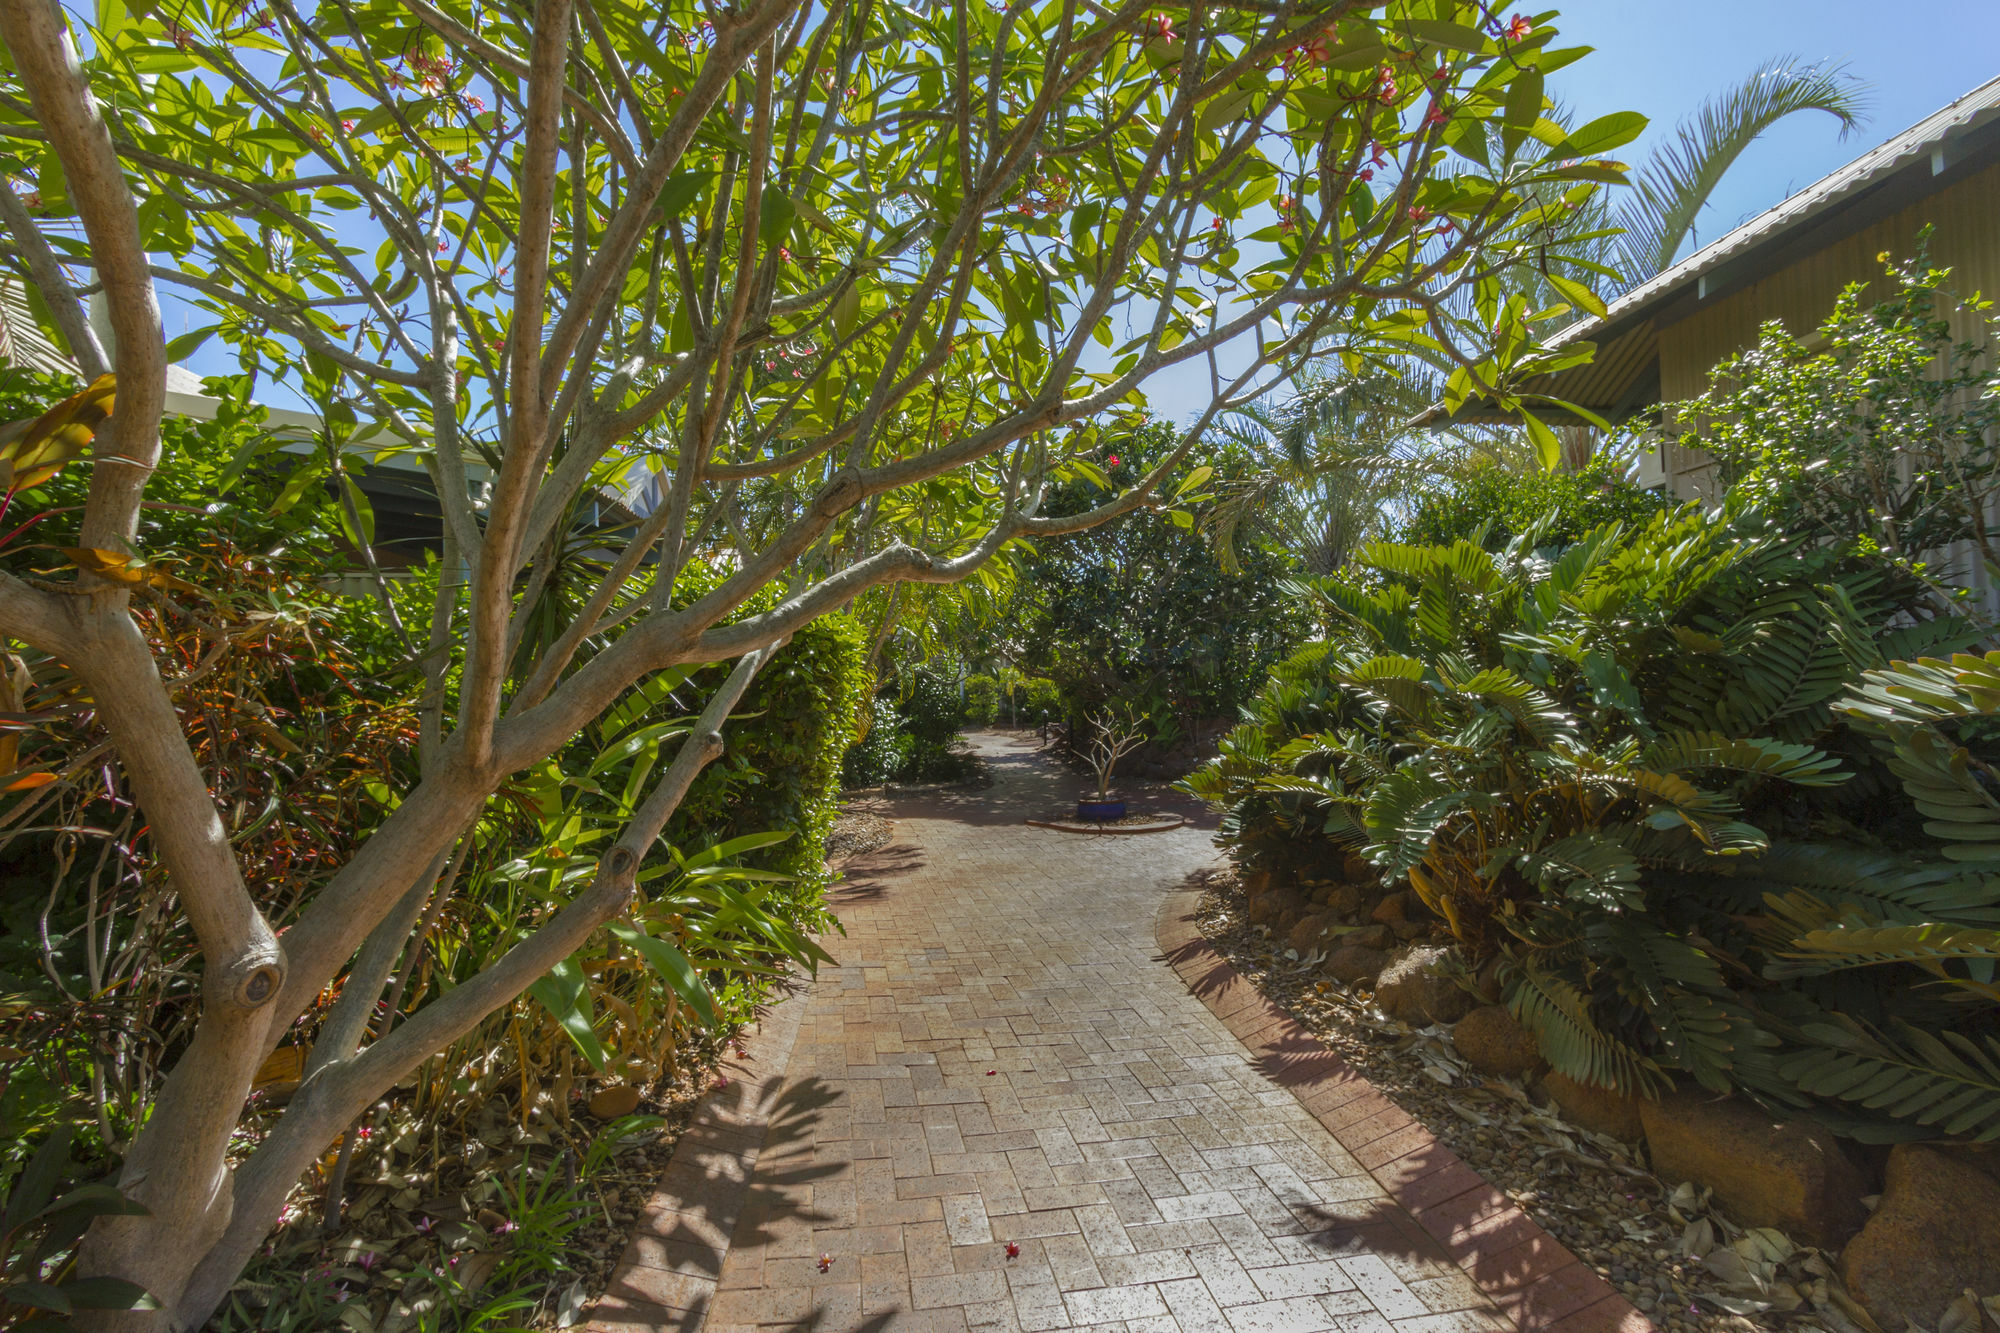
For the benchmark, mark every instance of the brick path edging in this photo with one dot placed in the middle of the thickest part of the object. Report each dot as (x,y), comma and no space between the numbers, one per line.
(672,1264)
(1110,829)
(1527,1272)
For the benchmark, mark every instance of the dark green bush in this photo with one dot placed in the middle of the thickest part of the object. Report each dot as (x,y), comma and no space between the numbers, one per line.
(984,701)
(878,756)
(1141,613)
(783,766)
(1670,779)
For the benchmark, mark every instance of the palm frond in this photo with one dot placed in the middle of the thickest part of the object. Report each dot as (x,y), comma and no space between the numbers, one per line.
(1675,184)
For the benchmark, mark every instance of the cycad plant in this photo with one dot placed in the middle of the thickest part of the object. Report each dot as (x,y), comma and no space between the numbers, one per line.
(1640,772)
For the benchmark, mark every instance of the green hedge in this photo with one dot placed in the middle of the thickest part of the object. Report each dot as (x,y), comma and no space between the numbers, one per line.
(782,767)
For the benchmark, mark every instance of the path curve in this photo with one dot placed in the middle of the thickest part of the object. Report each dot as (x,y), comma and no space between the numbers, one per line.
(1001,1057)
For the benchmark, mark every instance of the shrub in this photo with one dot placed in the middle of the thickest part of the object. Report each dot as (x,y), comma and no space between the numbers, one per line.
(984,701)
(1886,434)
(1141,612)
(782,770)
(1503,504)
(1042,701)
(1629,773)
(881,752)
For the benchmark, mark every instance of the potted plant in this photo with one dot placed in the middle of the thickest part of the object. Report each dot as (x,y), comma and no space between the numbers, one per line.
(1113,738)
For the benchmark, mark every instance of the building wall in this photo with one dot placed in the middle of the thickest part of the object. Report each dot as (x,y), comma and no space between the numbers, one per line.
(1966,239)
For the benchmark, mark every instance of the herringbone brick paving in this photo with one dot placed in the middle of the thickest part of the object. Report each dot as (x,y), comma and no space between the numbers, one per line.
(1003,1110)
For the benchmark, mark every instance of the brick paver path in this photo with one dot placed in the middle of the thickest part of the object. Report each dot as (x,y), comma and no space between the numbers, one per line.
(1002,1058)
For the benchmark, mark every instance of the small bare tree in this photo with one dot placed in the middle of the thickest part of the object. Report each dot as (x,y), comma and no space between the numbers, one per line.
(830,273)
(1113,736)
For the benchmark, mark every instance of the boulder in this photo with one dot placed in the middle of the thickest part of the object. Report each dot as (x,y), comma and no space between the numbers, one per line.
(1600,1110)
(1310,933)
(1765,1172)
(1277,908)
(1410,930)
(1420,987)
(1389,911)
(1355,964)
(1493,1043)
(1370,937)
(1935,1233)
(1344,899)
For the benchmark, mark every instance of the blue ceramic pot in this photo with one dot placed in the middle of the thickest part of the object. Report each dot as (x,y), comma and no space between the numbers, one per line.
(1100,812)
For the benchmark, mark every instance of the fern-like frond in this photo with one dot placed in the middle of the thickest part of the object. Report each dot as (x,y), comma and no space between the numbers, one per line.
(1693,751)
(1592,868)
(1949,1082)
(1570,1038)
(1933,946)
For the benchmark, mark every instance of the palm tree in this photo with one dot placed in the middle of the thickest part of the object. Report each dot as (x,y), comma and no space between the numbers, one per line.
(1648,226)
(1674,185)
(1326,469)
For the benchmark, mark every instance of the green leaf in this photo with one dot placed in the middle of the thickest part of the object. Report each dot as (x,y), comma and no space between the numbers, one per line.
(565,995)
(1548,449)
(36,1184)
(673,968)
(108,1293)
(683,188)
(1523,108)
(778,215)
(36,1296)
(1578,294)
(185,346)
(1604,134)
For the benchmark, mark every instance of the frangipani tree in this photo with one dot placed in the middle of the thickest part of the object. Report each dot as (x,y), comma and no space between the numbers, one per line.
(833,271)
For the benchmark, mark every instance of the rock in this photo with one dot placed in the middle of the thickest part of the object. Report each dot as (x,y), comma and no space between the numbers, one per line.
(1310,933)
(1599,1110)
(1493,1043)
(1765,1172)
(1390,910)
(610,1103)
(1345,899)
(1277,908)
(1409,930)
(1370,937)
(1936,1232)
(1355,964)
(1419,988)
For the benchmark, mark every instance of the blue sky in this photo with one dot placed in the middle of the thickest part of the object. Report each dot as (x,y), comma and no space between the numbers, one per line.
(1664,58)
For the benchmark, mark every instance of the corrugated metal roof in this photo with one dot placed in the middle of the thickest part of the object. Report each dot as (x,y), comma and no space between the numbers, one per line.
(1919,141)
